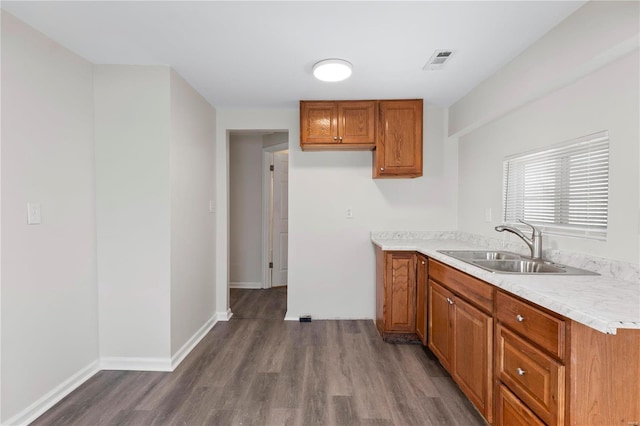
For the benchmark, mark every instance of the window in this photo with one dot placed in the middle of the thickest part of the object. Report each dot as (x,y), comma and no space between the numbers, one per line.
(564,189)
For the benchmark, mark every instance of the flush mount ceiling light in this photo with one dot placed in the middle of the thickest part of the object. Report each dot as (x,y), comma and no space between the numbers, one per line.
(332,70)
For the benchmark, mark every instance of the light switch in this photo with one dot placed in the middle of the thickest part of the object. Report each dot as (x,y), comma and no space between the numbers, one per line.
(33,213)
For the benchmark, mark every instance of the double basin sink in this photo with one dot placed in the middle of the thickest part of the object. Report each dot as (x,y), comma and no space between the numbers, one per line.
(504,262)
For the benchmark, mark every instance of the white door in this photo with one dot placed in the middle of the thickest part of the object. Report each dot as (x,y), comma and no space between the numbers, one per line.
(280,227)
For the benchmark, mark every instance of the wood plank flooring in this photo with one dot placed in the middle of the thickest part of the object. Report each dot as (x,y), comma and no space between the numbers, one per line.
(257,369)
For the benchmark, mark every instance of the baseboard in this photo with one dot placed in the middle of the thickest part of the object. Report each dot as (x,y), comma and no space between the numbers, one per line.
(38,408)
(224,315)
(135,364)
(288,317)
(246,285)
(182,353)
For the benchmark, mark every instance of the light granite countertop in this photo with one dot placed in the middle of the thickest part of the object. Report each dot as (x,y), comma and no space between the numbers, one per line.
(604,302)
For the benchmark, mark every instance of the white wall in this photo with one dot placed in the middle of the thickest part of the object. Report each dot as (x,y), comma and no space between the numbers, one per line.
(245,220)
(580,78)
(132,139)
(331,258)
(48,295)
(593,36)
(192,225)
(605,100)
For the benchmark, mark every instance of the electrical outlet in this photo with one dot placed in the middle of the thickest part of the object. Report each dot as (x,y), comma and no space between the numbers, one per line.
(349,214)
(33,214)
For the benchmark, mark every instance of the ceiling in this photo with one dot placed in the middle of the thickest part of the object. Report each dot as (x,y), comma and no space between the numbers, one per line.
(261,54)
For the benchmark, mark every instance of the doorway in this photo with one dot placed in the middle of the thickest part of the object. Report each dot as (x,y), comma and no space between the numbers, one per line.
(258,209)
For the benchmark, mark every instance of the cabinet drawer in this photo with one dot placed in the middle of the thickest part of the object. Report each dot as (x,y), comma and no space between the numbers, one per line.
(535,377)
(471,288)
(512,412)
(538,326)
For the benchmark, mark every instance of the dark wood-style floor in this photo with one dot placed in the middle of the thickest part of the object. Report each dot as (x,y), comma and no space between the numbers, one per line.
(257,369)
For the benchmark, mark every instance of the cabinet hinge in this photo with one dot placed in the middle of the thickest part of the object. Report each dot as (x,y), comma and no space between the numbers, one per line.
(271,167)
(270,265)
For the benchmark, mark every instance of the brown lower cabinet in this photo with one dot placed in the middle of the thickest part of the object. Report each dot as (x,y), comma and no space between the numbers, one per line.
(518,363)
(401,291)
(460,335)
(563,372)
(396,294)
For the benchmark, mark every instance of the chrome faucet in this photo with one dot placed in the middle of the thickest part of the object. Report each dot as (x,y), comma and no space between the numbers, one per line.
(534,243)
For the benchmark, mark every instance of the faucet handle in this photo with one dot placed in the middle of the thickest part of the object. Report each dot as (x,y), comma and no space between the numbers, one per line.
(535,230)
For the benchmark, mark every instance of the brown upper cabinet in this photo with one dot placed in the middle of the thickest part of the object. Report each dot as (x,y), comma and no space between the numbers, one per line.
(391,128)
(338,125)
(399,143)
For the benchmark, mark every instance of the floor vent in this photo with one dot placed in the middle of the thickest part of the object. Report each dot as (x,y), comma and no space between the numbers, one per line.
(305,318)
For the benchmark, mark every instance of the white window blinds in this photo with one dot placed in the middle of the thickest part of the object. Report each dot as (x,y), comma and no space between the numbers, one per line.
(563,189)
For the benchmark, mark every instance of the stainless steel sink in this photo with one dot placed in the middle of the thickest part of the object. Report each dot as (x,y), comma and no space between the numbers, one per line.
(511,263)
(481,255)
(519,266)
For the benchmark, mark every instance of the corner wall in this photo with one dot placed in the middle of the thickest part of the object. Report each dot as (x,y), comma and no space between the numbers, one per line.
(192,224)
(132,139)
(48,295)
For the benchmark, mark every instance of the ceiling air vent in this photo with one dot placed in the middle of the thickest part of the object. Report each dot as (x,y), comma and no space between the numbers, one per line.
(437,60)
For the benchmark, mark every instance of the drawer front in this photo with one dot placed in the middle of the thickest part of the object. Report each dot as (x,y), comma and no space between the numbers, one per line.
(473,289)
(532,375)
(538,326)
(512,412)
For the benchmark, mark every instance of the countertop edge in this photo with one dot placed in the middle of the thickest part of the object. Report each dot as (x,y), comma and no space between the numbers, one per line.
(508,282)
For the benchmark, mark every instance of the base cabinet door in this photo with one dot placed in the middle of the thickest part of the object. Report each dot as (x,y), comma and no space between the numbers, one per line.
(396,295)
(400,292)
(440,334)
(421,298)
(460,332)
(472,342)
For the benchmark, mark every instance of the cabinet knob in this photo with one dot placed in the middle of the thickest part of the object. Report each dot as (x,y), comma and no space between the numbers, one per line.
(335,138)
(520,371)
(340,138)
(422,261)
(382,169)
(520,318)
(449,301)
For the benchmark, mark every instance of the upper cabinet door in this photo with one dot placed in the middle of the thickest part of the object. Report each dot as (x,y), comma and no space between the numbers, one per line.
(338,125)
(356,123)
(318,123)
(399,146)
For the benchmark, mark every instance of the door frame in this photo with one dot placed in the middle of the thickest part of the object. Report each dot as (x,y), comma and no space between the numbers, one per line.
(267,202)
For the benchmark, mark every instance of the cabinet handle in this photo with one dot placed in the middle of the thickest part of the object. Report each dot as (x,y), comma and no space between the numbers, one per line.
(335,138)
(520,371)
(520,318)
(450,301)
